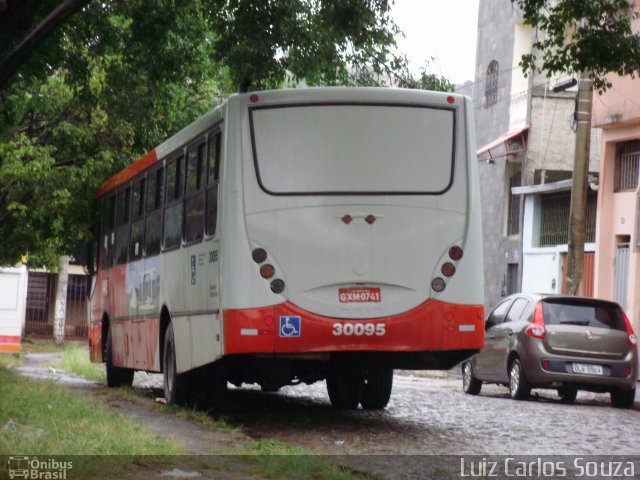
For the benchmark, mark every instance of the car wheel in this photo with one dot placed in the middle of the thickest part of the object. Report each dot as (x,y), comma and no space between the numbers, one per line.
(377,390)
(470,384)
(519,388)
(623,398)
(116,376)
(567,394)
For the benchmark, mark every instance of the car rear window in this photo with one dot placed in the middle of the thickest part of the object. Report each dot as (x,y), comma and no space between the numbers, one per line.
(590,313)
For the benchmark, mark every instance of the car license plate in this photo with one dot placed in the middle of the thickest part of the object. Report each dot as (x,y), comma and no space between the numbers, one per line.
(589,369)
(359,295)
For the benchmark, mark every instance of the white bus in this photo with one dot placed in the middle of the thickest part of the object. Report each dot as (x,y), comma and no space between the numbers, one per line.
(295,236)
(13,300)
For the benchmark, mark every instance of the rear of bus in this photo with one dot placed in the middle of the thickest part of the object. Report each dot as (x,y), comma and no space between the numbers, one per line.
(359,215)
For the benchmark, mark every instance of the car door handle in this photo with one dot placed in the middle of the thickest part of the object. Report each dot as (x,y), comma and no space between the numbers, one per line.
(511,334)
(491,337)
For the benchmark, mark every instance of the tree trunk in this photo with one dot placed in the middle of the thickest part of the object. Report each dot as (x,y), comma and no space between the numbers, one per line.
(61,300)
(578,208)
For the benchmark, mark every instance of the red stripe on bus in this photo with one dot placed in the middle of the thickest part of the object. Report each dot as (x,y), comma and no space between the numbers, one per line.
(129,172)
(431,326)
(11,339)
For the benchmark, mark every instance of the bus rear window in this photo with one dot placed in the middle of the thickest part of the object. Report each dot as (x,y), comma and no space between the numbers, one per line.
(345,149)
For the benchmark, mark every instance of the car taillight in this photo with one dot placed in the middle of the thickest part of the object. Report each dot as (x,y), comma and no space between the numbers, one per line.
(631,337)
(536,329)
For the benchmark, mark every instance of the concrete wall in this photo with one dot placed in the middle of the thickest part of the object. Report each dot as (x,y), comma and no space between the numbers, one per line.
(496,33)
(551,144)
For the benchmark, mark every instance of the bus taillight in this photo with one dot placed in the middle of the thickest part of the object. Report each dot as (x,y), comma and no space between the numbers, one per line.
(259,255)
(277,286)
(455,253)
(448,269)
(267,271)
(438,284)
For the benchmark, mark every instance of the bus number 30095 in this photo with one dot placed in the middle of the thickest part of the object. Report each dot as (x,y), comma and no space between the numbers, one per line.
(359,329)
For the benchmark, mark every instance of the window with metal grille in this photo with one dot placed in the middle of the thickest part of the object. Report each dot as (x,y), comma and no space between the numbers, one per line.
(627,166)
(513,207)
(554,219)
(491,85)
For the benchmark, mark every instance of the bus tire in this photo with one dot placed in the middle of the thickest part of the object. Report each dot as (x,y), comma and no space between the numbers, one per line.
(377,390)
(208,387)
(345,388)
(116,376)
(175,385)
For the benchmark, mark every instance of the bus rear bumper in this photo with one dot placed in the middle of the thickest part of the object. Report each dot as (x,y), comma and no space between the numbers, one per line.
(433,326)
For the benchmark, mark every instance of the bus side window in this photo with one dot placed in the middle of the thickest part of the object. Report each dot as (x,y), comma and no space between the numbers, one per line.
(153,232)
(172,234)
(122,227)
(194,202)
(137,219)
(213,179)
(107,231)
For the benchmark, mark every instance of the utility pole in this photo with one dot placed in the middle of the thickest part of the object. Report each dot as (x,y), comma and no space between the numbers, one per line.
(578,208)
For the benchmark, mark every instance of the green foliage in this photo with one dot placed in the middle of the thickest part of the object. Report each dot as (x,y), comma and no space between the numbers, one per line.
(75,360)
(121,76)
(115,81)
(578,36)
(55,420)
(320,41)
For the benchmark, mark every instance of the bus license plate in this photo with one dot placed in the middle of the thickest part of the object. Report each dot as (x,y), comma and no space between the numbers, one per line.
(587,368)
(359,295)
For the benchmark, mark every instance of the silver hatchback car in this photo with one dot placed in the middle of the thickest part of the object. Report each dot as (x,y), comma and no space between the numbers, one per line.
(557,342)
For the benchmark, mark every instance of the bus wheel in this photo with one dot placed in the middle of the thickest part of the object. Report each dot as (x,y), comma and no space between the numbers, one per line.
(175,385)
(345,388)
(208,387)
(377,391)
(116,376)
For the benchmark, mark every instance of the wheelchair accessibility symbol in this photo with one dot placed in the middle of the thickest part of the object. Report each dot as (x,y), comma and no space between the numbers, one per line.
(290,326)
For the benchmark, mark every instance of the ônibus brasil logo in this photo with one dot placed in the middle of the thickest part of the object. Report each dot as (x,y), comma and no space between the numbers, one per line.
(33,468)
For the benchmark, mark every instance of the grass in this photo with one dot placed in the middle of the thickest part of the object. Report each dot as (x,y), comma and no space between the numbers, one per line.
(49,419)
(274,459)
(75,360)
(53,420)
(30,345)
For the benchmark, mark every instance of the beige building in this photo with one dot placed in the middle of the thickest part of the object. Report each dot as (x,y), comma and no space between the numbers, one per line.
(617,268)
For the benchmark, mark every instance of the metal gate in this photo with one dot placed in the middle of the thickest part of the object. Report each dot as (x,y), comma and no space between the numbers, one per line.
(621,271)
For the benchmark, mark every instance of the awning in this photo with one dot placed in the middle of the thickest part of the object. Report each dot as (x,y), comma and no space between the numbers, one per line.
(560,186)
(510,144)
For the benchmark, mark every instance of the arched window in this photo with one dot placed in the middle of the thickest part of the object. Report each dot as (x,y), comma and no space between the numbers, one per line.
(491,85)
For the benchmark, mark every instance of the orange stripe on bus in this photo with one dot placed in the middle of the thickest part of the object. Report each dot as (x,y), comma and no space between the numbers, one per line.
(129,172)
(9,348)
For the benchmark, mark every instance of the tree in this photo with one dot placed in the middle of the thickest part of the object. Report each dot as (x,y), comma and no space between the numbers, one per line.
(13,21)
(118,77)
(320,41)
(591,39)
(115,80)
(576,36)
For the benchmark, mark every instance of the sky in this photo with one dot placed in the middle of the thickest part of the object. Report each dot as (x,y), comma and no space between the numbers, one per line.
(441,29)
